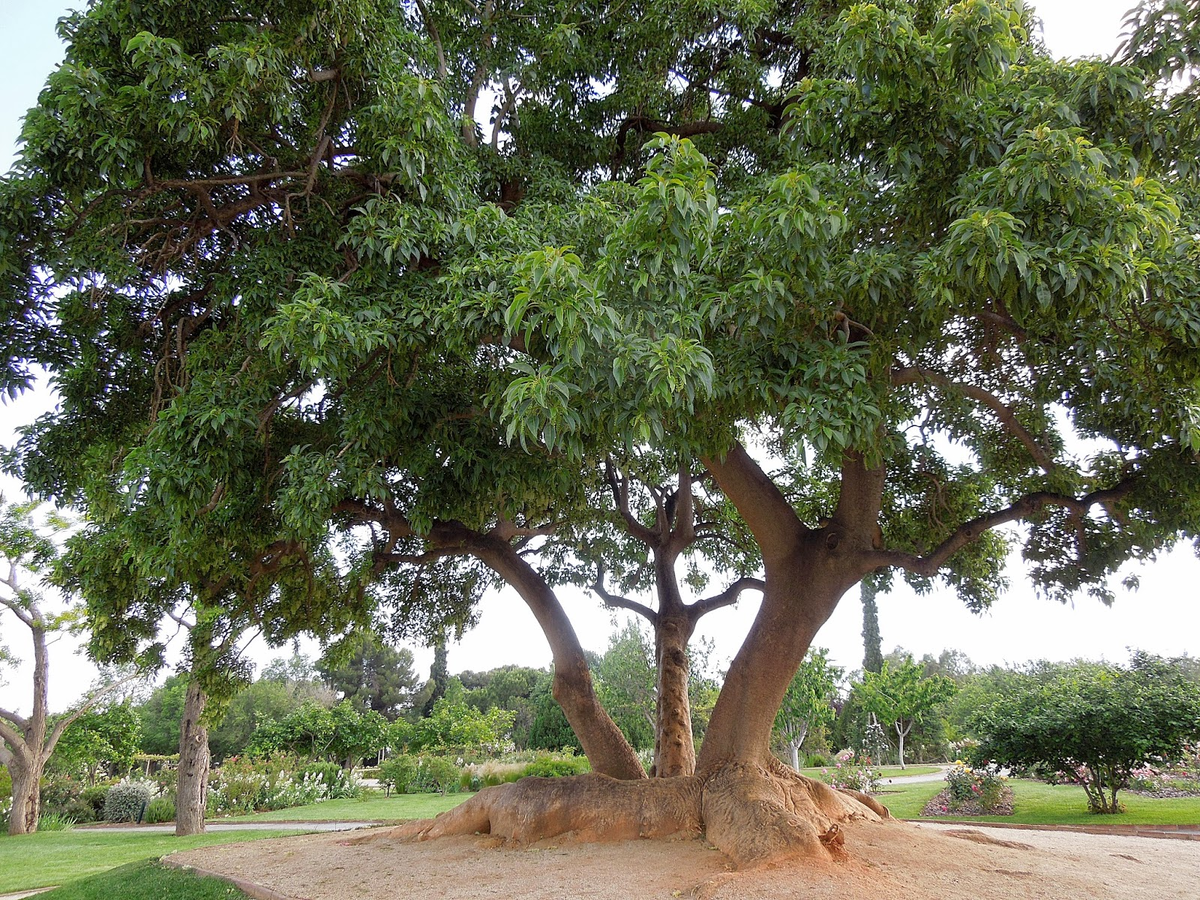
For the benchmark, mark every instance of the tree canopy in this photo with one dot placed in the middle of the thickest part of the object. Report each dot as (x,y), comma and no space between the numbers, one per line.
(402,276)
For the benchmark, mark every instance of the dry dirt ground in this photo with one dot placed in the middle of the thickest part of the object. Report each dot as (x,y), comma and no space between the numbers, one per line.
(885,861)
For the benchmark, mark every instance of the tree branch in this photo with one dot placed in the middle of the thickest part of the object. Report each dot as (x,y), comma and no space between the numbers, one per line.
(616,600)
(1023,508)
(771,519)
(434,36)
(620,491)
(727,597)
(16,718)
(1003,412)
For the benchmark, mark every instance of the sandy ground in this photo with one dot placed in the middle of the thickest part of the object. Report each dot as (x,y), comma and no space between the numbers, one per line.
(886,861)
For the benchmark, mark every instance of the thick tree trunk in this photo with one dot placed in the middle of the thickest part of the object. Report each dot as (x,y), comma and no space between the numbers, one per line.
(674,747)
(191,793)
(26,775)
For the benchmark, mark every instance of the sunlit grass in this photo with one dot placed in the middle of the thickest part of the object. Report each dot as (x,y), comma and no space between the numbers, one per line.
(58,857)
(1035,803)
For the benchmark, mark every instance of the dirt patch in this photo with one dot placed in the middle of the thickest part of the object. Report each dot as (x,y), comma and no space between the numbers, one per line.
(884,860)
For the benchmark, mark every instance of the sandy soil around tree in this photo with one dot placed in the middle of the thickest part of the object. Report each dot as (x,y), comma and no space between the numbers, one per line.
(887,860)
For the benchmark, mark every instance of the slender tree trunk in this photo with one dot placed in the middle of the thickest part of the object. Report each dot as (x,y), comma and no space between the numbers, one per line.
(602,741)
(674,747)
(900,743)
(191,793)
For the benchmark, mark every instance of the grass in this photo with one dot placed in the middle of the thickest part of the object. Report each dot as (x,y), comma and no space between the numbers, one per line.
(58,857)
(1035,803)
(146,880)
(372,808)
(887,771)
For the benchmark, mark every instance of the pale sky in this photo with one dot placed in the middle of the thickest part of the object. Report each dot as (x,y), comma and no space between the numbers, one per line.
(1160,617)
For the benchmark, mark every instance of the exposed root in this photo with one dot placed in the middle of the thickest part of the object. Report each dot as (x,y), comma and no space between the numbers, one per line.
(751,814)
(589,807)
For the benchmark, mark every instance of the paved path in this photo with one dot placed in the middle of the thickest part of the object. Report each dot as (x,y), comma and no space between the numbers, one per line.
(939,775)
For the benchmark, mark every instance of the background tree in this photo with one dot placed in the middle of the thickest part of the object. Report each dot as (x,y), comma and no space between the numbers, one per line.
(1092,722)
(27,741)
(103,738)
(679,523)
(370,674)
(513,688)
(901,694)
(872,640)
(808,703)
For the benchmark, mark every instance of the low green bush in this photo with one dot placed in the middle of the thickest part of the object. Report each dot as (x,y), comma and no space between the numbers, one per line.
(160,809)
(552,767)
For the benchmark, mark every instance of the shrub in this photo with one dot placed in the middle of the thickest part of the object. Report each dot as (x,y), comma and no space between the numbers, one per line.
(816,761)
(126,801)
(550,767)
(396,773)
(94,796)
(982,787)
(160,810)
(437,774)
(55,822)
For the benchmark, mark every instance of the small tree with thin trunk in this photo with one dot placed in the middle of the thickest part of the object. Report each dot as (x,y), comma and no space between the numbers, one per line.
(1093,723)
(900,695)
(27,741)
(808,702)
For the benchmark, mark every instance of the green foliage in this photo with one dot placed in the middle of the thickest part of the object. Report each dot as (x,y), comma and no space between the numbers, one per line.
(291,279)
(426,773)
(901,695)
(341,734)
(1094,723)
(981,788)
(160,809)
(549,767)
(126,801)
(455,727)
(371,675)
(808,703)
(108,738)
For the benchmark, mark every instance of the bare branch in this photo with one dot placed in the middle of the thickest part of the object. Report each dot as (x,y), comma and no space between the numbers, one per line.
(1003,411)
(17,719)
(620,491)
(617,601)
(727,597)
(1023,508)
(435,37)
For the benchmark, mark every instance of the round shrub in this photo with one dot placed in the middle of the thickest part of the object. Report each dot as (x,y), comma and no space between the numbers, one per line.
(126,801)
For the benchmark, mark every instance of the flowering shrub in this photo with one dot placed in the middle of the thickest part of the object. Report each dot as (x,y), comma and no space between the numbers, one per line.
(244,785)
(982,788)
(853,772)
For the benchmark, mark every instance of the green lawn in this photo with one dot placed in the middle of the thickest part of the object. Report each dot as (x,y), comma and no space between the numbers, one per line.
(1036,803)
(58,857)
(887,771)
(146,880)
(373,808)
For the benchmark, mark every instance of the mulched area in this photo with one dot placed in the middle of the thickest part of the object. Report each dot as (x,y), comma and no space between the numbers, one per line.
(940,806)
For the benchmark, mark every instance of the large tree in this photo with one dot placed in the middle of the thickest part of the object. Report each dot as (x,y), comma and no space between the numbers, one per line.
(414,268)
